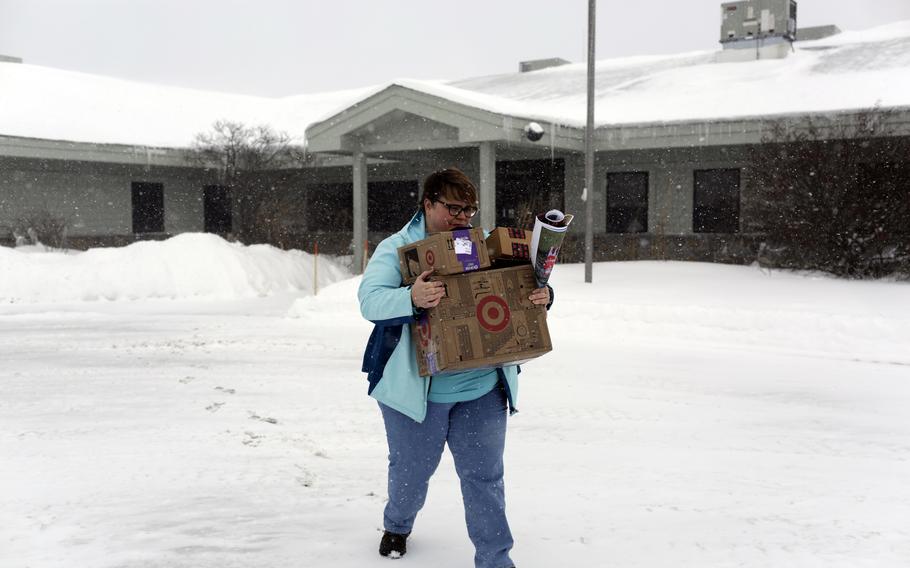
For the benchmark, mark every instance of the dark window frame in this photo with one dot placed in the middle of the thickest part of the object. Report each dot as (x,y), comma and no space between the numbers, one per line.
(390,204)
(210,204)
(329,207)
(147,207)
(713,211)
(528,187)
(619,218)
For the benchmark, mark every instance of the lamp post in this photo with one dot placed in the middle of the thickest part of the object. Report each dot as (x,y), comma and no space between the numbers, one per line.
(589,152)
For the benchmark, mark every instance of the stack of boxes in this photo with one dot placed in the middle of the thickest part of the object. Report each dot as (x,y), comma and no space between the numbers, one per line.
(485,318)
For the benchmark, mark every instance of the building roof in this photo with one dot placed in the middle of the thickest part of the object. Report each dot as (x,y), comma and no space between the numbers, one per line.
(849,71)
(42,102)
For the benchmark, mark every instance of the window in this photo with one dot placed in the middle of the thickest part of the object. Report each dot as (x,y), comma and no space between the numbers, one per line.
(527,188)
(390,204)
(716,203)
(148,207)
(627,202)
(216,207)
(882,202)
(330,207)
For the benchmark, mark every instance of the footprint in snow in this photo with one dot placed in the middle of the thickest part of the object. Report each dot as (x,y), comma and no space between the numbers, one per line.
(305,478)
(254,416)
(252,439)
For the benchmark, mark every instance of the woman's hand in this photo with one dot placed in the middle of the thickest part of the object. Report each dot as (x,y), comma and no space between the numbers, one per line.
(540,296)
(426,293)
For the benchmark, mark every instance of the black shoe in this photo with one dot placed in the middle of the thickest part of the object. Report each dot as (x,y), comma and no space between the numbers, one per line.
(393,545)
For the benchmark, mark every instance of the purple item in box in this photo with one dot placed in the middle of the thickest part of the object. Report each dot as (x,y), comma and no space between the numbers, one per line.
(465,250)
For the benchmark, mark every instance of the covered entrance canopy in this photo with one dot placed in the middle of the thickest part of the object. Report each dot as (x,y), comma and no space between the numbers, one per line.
(400,123)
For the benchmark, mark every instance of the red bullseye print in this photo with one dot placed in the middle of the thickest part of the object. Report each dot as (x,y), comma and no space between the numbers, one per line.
(430,257)
(493,314)
(423,331)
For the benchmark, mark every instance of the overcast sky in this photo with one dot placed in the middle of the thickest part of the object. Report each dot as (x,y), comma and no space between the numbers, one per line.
(284,47)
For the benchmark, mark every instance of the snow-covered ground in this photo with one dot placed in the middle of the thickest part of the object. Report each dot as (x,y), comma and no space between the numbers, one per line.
(689,415)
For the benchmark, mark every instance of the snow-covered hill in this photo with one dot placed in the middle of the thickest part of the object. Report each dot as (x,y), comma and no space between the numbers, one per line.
(187,266)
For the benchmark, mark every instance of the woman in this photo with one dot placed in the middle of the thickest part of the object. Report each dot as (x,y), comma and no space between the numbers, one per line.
(467,410)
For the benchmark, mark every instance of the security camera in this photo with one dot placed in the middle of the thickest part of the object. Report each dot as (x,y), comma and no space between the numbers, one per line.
(533,131)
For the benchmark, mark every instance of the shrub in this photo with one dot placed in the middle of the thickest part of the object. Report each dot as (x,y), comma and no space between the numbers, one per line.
(40,227)
(833,194)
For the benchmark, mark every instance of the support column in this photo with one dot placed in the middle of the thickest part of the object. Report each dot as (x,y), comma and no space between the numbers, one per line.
(487,185)
(360,209)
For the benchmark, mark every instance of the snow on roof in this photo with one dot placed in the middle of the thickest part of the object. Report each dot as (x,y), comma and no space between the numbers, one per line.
(852,70)
(849,71)
(42,102)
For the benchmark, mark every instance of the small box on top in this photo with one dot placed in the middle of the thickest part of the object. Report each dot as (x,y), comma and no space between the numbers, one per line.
(507,246)
(450,252)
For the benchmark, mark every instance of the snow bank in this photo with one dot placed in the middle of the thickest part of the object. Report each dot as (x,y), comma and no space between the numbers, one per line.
(713,307)
(708,306)
(704,307)
(191,265)
(337,300)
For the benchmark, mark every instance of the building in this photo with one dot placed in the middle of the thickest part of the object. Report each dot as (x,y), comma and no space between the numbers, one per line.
(672,173)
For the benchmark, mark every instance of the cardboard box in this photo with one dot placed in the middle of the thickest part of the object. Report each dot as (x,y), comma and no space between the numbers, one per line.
(484,320)
(507,244)
(451,252)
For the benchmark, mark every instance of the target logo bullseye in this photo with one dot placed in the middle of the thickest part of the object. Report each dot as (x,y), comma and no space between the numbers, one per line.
(423,331)
(493,314)
(430,258)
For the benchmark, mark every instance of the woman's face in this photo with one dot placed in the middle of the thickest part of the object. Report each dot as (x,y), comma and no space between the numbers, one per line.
(438,218)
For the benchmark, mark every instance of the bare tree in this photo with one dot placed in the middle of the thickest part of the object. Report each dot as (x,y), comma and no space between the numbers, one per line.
(246,159)
(833,194)
(40,227)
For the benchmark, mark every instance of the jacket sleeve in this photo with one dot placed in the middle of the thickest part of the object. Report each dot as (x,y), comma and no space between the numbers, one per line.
(382,298)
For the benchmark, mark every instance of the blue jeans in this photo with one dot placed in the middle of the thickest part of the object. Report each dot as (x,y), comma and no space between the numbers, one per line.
(476,434)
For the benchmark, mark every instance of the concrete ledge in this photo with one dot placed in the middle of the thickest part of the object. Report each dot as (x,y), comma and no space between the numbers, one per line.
(724,248)
(40,148)
(85,243)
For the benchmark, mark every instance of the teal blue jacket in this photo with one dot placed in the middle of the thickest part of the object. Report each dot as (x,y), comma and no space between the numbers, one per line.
(390,359)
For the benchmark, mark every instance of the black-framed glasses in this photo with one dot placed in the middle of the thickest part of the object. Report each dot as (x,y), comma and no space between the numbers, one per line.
(456,210)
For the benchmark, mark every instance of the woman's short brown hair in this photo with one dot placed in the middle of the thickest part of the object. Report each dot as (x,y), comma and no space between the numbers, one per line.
(450,182)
